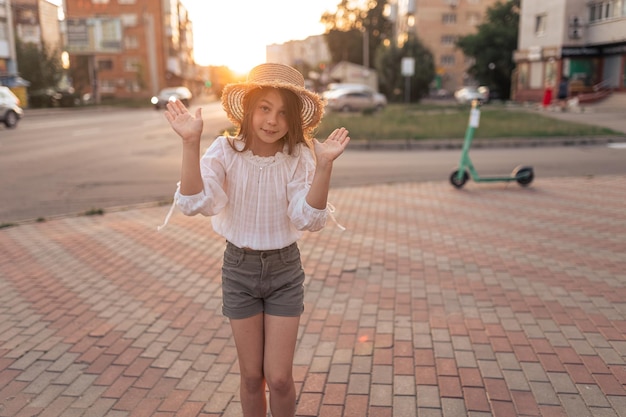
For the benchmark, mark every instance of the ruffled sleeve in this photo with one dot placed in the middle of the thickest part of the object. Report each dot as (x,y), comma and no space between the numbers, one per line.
(213,198)
(301,214)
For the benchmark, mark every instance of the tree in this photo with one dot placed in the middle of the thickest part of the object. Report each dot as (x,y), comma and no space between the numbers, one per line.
(353,26)
(492,47)
(345,45)
(40,66)
(389,65)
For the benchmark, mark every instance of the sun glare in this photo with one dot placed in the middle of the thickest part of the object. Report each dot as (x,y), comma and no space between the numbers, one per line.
(235,34)
(238,54)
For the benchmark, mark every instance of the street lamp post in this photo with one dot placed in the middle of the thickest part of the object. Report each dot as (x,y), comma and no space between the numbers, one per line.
(366,48)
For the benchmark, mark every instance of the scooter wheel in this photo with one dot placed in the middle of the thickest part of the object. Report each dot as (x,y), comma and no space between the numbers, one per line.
(458,183)
(524,175)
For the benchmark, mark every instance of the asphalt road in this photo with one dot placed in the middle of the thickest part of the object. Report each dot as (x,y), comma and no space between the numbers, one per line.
(71,161)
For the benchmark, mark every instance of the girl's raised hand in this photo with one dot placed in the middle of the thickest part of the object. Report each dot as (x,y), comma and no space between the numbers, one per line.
(333,146)
(188,126)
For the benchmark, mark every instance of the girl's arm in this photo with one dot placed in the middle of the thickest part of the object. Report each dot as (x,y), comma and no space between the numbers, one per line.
(325,154)
(189,128)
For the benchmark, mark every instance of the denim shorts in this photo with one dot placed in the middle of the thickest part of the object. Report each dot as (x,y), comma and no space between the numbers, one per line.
(269,281)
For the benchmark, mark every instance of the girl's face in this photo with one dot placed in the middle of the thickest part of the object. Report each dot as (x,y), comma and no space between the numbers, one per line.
(269,124)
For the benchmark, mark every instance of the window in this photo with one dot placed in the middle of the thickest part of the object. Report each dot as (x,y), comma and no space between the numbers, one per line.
(133,86)
(131,64)
(607,9)
(131,42)
(110,33)
(522,75)
(536,80)
(100,1)
(107,86)
(448,18)
(127,1)
(105,65)
(26,16)
(540,24)
(447,60)
(3,30)
(358,95)
(595,12)
(473,18)
(449,40)
(30,33)
(128,20)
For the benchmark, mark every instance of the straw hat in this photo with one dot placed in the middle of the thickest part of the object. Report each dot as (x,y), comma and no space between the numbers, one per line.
(276,76)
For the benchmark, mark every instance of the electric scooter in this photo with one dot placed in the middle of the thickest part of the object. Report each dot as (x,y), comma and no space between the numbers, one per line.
(522,174)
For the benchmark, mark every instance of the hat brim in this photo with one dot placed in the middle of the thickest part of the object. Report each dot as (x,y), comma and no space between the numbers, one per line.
(233,95)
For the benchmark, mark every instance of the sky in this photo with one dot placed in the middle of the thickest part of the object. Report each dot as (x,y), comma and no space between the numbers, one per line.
(234,33)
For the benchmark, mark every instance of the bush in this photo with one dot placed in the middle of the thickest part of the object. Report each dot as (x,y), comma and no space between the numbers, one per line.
(49,97)
(43,98)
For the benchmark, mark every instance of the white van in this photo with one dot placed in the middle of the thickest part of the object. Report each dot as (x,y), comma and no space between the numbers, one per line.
(10,110)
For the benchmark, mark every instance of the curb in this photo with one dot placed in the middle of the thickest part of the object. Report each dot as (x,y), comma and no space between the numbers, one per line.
(444,144)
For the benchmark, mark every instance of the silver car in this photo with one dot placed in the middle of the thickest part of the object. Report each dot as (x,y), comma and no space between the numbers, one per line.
(171,94)
(10,110)
(354,100)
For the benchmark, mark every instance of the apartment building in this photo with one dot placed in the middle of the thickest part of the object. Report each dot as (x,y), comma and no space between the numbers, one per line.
(311,51)
(310,55)
(438,24)
(37,21)
(584,40)
(130,48)
(8,62)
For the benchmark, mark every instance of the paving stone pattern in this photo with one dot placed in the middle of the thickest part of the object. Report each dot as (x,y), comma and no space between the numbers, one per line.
(493,300)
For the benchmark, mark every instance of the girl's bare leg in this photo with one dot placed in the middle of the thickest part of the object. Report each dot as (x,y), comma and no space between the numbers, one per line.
(280,344)
(249,340)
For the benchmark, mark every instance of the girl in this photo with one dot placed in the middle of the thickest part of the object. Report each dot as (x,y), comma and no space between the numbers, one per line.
(262,188)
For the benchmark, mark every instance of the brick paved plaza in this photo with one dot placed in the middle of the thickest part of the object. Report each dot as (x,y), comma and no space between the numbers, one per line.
(493,300)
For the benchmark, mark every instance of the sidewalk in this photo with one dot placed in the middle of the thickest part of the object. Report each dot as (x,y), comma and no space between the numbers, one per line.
(493,300)
(611,118)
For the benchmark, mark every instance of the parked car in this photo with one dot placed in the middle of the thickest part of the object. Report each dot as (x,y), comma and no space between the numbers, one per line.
(380,101)
(51,97)
(346,86)
(468,94)
(10,110)
(354,100)
(171,94)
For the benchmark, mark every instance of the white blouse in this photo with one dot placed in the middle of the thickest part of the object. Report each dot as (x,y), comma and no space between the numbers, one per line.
(255,202)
